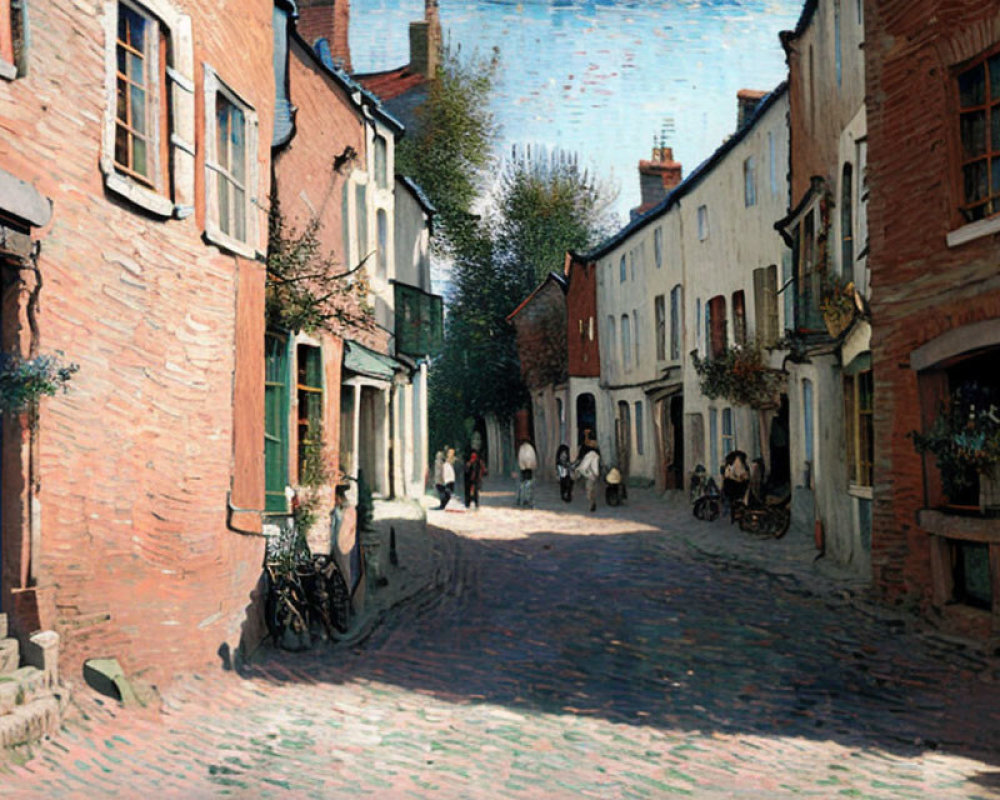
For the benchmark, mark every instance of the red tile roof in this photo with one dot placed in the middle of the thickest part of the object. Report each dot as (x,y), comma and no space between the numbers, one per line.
(391,84)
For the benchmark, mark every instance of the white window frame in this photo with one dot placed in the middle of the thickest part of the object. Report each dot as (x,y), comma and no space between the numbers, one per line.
(702,223)
(749,182)
(180,84)
(248,248)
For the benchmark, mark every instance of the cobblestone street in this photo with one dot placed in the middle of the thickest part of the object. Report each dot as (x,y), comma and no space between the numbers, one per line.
(635,652)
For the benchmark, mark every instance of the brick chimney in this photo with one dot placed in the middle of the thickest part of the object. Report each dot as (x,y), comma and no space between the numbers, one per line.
(747,101)
(330,20)
(425,41)
(658,176)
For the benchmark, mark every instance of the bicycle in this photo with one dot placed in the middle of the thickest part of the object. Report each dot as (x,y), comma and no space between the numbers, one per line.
(707,503)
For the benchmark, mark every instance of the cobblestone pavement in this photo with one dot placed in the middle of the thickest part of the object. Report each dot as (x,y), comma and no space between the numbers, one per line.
(634,652)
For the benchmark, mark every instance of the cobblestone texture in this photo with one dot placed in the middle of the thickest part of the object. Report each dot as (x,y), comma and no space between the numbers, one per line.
(631,653)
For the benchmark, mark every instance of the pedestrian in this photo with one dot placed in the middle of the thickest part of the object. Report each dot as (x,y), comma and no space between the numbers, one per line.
(590,471)
(473,478)
(565,472)
(527,462)
(448,474)
(439,477)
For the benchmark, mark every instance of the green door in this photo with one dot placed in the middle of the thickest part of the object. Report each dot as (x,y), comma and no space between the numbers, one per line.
(275,422)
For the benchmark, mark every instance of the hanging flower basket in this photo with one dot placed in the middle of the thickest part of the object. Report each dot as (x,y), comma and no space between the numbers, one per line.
(838,307)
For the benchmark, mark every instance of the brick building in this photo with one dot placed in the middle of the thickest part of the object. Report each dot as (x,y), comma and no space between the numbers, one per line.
(540,322)
(583,354)
(935,215)
(134,180)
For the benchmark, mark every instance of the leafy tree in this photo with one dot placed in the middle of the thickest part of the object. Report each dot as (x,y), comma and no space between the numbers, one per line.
(452,146)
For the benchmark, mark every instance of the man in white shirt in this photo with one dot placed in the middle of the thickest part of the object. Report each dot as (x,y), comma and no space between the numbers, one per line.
(527,462)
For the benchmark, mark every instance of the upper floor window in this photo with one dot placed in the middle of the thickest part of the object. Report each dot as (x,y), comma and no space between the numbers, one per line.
(13,38)
(772,164)
(626,341)
(715,325)
(147,149)
(702,223)
(361,221)
(676,304)
(382,224)
(381,162)
(765,302)
(631,263)
(739,318)
(658,247)
(638,337)
(660,315)
(979,122)
(847,221)
(621,270)
(230,168)
(612,338)
(750,182)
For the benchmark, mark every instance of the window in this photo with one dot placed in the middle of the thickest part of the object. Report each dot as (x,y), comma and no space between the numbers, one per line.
(861,187)
(660,315)
(626,341)
(631,263)
(765,296)
(847,222)
(13,38)
(612,345)
(658,247)
(638,427)
(381,163)
(230,168)
(750,182)
(621,270)
(739,318)
(676,304)
(702,223)
(708,330)
(697,324)
(147,136)
(728,431)
(638,336)
(858,406)
(361,220)
(309,388)
(979,124)
(713,442)
(382,224)
(623,436)
(275,421)
(715,325)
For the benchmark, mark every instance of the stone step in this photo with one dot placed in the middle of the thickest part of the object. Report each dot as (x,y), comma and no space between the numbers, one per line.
(30,722)
(10,655)
(22,687)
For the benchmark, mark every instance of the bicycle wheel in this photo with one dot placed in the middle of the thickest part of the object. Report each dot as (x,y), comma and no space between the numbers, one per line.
(782,521)
(750,521)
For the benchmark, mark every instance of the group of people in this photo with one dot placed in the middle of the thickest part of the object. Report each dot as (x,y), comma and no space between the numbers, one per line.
(444,476)
(586,467)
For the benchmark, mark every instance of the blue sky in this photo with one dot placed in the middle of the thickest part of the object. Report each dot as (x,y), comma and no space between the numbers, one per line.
(602,78)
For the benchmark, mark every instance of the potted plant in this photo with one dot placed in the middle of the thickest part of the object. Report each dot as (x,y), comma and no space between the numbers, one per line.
(965,441)
(838,306)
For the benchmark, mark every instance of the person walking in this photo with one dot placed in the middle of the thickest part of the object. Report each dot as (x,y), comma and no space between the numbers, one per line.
(448,472)
(439,477)
(564,469)
(527,462)
(590,471)
(473,478)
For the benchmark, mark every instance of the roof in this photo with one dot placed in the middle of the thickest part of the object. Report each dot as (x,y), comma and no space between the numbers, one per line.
(690,183)
(555,277)
(391,83)
(365,361)
(804,19)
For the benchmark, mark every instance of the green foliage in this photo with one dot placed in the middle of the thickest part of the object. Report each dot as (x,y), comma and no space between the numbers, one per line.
(965,436)
(452,146)
(307,290)
(740,376)
(23,382)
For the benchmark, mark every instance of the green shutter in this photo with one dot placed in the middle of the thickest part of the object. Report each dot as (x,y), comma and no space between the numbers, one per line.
(275,422)
(419,321)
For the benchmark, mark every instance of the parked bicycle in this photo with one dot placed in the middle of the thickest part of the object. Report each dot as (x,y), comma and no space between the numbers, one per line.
(763,510)
(705,496)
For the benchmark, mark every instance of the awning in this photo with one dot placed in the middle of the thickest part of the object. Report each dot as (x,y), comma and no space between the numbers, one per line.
(362,360)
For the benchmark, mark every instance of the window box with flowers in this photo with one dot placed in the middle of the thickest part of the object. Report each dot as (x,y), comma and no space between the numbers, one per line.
(964,438)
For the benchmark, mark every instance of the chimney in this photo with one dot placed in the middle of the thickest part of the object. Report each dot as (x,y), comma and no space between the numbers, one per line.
(425,41)
(330,20)
(747,101)
(658,176)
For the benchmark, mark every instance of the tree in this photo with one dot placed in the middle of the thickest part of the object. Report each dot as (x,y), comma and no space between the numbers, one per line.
(452,146)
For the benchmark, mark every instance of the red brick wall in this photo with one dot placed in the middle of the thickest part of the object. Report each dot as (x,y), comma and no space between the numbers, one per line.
(581,306)
(163,418)
(921,288)
(541,343)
